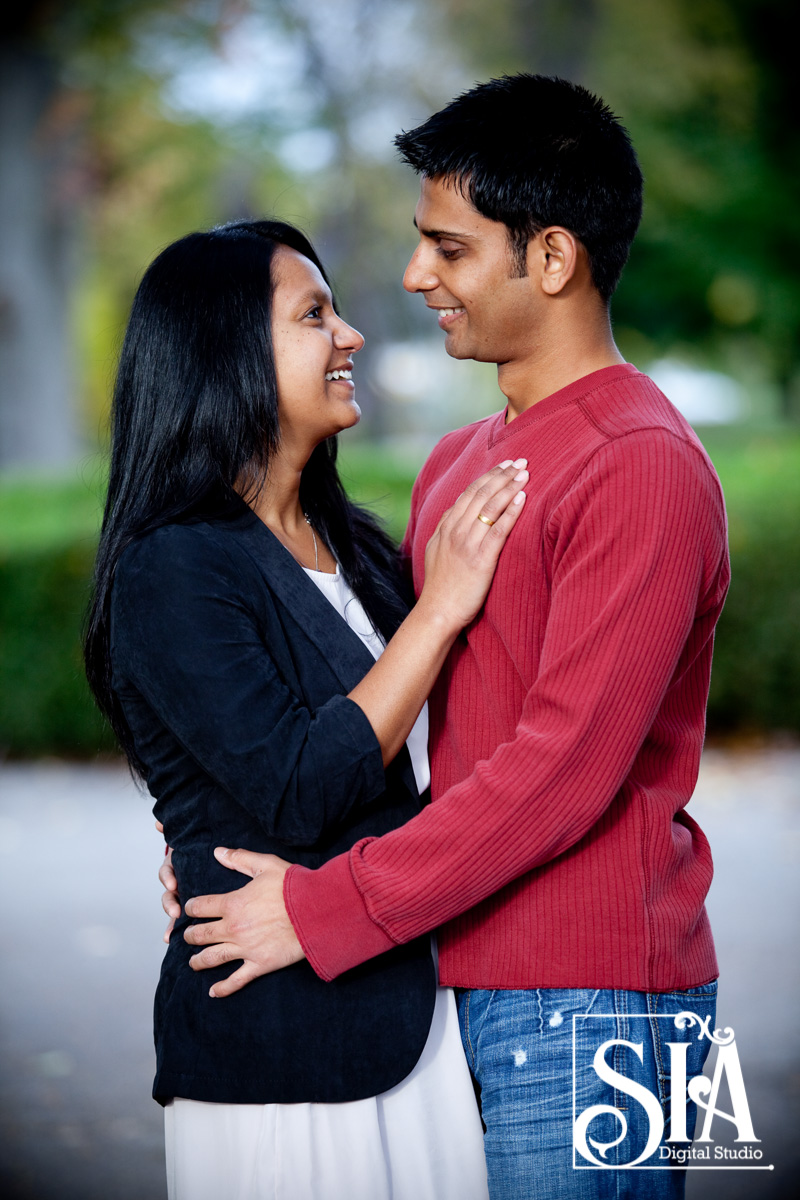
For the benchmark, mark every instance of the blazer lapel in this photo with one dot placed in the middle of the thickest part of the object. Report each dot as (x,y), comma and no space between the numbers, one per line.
(342,649)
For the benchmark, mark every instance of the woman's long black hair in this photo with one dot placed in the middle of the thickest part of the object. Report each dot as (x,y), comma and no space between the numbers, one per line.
(195,414)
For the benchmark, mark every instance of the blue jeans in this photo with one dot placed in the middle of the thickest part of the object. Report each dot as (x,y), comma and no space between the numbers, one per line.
(525,1048)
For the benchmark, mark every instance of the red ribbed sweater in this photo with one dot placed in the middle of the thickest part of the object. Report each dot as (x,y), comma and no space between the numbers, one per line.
(567,724)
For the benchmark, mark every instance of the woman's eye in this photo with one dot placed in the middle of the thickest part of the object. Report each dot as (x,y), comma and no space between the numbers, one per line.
(315,313)
(447,253)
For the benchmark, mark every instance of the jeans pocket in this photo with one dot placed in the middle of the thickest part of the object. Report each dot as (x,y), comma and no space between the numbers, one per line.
(677,1019)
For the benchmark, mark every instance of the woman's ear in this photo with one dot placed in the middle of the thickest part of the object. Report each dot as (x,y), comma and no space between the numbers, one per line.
(553,255)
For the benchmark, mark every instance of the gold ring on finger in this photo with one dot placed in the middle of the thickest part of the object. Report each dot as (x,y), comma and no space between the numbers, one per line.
(486,520)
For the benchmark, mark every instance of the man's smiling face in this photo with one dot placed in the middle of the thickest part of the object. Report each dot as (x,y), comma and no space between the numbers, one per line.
(465,269)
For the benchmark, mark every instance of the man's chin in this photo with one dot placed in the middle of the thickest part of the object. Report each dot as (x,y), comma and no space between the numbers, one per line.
(456,350)
(469,353)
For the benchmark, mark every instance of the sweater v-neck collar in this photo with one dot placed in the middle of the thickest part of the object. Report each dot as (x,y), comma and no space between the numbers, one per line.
(499,430)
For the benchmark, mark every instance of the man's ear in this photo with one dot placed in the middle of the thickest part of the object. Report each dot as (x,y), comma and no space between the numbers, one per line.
(553,256)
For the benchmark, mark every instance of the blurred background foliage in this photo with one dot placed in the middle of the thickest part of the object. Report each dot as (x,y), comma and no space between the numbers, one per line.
(126,123)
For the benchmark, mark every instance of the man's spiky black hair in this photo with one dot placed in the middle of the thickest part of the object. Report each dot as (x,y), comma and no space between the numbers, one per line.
(533,151)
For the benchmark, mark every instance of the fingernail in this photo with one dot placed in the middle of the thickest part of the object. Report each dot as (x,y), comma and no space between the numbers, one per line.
(523,475)
(222,852)
(505,464)
(518,499)
(213,994)
(520,462)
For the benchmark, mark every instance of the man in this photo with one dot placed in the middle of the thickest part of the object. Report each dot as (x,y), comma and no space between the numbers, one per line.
(557,861)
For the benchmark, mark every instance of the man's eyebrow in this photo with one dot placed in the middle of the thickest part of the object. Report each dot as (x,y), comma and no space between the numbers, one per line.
(450,235)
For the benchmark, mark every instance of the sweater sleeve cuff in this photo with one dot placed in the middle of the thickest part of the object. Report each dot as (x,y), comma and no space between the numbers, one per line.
(330,918)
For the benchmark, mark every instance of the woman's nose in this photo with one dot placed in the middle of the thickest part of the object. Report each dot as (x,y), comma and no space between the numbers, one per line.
(348,338)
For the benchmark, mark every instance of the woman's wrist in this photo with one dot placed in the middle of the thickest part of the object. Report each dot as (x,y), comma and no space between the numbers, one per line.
(437,617)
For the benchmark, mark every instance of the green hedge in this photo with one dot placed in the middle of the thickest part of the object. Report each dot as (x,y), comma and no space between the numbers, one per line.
(47,546)
(47,539)
(755,681)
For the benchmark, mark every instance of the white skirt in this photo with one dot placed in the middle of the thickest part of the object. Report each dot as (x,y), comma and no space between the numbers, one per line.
(422,1140)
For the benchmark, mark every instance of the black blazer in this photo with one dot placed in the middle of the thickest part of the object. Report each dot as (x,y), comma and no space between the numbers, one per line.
(233,671)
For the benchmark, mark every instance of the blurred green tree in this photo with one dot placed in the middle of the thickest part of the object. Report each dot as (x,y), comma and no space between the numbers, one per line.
(156,173)
(189,113)
(51,166)
(39,184)
(708,96)
(146,118)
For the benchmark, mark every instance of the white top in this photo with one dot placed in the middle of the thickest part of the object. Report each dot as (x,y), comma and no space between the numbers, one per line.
(337,590)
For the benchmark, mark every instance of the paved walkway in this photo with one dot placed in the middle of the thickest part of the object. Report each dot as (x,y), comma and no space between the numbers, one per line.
(81,953)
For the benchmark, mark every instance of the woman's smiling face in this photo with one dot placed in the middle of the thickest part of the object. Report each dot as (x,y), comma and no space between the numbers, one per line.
(313,349)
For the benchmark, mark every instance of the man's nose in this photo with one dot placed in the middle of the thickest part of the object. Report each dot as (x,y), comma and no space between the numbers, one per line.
(419,274)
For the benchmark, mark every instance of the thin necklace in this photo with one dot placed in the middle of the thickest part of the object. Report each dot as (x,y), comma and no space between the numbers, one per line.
(314,536)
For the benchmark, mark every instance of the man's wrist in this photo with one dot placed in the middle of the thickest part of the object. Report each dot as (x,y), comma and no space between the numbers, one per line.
(330,918)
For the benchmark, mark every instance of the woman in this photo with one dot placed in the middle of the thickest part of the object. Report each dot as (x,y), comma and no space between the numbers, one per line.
(257,715)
